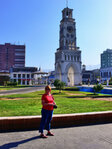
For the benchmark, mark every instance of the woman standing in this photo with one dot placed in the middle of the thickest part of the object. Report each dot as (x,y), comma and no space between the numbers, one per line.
(48,105)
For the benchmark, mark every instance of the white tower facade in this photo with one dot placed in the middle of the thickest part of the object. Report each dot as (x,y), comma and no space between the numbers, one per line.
(68,55)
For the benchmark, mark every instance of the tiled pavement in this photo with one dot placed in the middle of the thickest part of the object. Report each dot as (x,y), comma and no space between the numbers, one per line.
(83,137)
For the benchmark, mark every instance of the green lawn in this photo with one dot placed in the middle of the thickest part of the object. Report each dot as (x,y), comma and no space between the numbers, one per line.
(67,102)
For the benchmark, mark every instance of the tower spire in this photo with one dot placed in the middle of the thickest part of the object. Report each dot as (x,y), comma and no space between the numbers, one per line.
(66,3)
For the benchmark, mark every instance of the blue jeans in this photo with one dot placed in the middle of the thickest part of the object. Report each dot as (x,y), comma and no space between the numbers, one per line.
(45,120)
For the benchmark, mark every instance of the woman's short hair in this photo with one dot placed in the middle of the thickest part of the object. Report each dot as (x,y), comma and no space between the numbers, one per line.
(48,88)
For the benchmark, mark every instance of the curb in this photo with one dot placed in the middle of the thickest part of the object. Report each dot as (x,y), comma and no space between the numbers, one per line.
(21,123)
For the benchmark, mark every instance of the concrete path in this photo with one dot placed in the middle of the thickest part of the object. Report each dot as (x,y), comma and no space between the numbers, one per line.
(84,137)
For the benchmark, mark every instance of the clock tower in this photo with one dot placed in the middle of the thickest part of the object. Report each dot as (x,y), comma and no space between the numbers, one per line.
(68,55)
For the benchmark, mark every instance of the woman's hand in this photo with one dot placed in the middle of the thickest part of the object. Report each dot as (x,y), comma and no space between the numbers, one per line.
(55,106)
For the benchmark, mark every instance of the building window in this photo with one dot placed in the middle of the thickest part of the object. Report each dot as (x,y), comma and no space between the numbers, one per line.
(32,75)
(19,81)
(19,54)
(28,75)
(23,75)
(20,60)
(19,75)
(14,75)
(20,50)
(23,82)
(27,82)
(19,65)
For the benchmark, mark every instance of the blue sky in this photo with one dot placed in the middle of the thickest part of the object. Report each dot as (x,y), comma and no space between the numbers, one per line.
(35,23)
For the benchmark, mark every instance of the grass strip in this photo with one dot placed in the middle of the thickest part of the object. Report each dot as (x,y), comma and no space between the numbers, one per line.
(67,102)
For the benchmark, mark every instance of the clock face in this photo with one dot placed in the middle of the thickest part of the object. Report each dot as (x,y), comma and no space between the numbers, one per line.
(70,29)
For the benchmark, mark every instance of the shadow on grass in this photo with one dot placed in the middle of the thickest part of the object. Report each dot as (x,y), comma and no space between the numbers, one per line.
(75,96)
(91,96)
(96,95)
(58,93)
(15,144)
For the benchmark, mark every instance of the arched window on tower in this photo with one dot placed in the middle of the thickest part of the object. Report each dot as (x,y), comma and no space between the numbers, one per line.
(65,57)
(69,45)
(66,43)
(73,46)
(78,58)
(75,58)
(67,14)
(71,58)
(68,57)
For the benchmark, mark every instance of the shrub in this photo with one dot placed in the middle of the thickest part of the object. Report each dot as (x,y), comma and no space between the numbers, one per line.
(97,88)
(71,89)
(59,85)
(11,83)
(56,83)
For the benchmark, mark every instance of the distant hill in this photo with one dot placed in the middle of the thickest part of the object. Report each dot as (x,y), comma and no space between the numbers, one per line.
(91,67)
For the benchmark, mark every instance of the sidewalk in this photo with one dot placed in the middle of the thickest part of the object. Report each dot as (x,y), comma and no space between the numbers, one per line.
(85,137)
(105,87)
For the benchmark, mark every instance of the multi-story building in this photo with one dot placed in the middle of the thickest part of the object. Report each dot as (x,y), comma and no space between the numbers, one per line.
(106,65)
(26,75)
(106,58)
(11,56)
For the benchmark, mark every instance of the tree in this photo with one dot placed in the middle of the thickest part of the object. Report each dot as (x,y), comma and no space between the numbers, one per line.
(59,85)
(110,81)
(97,88)
(56,83)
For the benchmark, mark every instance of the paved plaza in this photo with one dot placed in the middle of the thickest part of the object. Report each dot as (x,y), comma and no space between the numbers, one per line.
(82,137)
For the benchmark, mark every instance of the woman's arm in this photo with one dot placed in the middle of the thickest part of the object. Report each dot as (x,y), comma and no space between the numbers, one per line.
(53,100)
(46,104)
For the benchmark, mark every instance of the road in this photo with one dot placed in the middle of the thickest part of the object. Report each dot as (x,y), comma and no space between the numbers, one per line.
(22,90)
(27,90)
(84,137)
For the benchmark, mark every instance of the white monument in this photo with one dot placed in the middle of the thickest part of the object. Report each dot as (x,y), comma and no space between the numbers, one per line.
(68,55)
